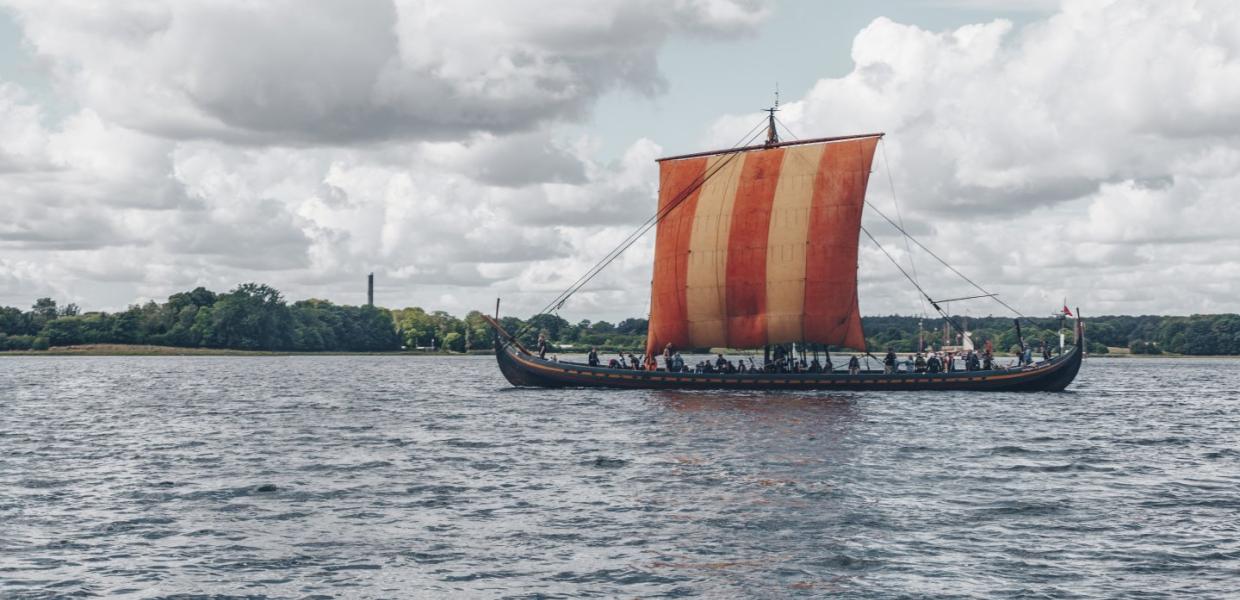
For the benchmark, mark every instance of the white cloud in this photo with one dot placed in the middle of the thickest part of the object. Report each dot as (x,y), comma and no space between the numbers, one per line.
(305,145)
(1091,154)
(1054,159)
(345,70)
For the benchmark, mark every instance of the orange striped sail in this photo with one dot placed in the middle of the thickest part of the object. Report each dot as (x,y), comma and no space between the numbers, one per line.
(759,247)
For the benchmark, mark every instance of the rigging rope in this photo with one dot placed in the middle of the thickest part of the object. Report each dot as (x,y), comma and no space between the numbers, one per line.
(787,129)
(909,237)
(641,230)
(900,216)
(893,260)
(637,234)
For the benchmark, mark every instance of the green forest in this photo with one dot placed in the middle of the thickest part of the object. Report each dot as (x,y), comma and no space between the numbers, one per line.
(255,316)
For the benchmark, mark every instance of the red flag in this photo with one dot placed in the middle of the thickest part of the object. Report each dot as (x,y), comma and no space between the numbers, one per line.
(1067,312)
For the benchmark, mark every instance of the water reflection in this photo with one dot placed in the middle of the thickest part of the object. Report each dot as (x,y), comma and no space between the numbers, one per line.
(776,403)
(760,448)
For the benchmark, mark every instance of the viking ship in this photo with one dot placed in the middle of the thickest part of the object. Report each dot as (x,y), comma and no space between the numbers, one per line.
(756,246)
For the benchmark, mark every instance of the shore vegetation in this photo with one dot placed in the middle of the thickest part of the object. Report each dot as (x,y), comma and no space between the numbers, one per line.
(256,318)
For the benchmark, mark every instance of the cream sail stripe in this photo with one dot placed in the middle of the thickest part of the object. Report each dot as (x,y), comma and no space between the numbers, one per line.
(706,276)
(786,241)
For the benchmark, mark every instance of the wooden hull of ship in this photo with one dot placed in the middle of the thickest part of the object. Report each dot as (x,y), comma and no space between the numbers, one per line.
(523,369)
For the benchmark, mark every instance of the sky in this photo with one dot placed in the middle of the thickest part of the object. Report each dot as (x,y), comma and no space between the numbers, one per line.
(465,150)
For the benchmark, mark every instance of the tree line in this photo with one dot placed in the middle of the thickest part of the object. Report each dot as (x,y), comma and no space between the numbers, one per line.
(255,316)
(250,317)
(1147,334)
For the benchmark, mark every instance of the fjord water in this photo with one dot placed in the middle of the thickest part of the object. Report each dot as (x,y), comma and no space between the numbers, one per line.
(373,476)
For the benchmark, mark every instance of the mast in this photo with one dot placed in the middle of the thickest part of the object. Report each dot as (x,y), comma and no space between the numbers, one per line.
(772,136)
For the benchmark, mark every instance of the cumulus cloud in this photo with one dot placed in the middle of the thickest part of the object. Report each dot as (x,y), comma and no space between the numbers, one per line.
(1054,158)
(346,70)
(214,142)
(1091,153)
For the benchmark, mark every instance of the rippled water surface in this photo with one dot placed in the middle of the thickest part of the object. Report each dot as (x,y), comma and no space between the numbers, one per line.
(421,477)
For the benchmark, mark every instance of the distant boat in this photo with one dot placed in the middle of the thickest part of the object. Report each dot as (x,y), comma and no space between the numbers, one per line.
(756,248)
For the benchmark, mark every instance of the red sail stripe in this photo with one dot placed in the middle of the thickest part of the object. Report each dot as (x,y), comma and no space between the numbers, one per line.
(747,244)
(668,319)
(832,313)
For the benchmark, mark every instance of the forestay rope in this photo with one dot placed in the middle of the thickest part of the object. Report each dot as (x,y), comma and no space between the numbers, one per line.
(913,281)
(891,183)
(985,293)
(647,225)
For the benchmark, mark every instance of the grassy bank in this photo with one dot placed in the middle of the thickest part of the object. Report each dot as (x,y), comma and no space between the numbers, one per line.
(149,350)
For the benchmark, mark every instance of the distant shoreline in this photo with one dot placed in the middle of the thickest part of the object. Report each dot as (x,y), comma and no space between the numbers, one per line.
(150,350)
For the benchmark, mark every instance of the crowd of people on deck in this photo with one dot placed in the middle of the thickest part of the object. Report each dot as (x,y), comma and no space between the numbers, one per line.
(939,362)
(779,359)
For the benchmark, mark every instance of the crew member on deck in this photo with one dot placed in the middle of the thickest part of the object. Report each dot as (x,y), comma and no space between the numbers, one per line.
(889,361)
(592,357)
(542,346)
(854,365)
(667,356)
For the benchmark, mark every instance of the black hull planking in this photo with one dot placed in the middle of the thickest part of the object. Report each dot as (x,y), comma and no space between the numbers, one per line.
(523,369)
